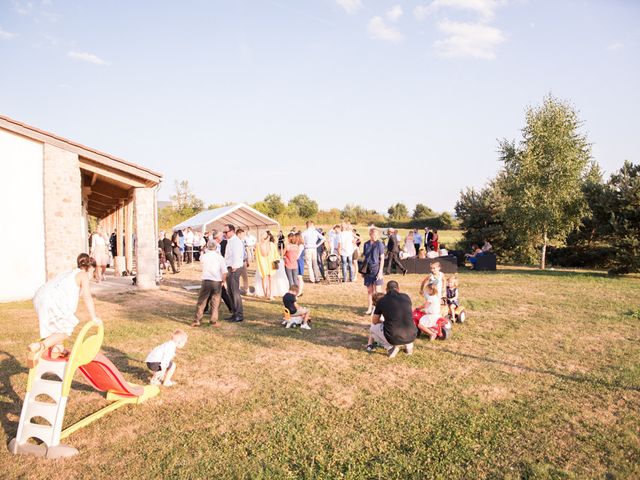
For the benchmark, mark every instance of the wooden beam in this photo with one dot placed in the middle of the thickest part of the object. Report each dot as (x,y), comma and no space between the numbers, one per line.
(94,177)
(103,171)
(112,191)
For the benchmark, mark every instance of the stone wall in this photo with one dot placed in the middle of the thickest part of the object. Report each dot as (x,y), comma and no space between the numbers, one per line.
(63,233)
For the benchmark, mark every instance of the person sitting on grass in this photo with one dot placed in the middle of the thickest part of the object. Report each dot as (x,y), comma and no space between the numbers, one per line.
(290,303)
(452,296)
(56,303)
(371,343)
(397,330)
(160,359)
(431,308)
(436,277)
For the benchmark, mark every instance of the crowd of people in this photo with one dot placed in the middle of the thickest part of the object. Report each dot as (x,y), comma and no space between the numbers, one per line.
(280,267)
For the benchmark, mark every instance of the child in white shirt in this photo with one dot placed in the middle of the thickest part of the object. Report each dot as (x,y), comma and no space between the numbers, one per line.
(428,322)
(160,359)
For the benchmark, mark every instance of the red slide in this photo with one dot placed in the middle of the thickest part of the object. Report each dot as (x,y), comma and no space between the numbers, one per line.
(104,376)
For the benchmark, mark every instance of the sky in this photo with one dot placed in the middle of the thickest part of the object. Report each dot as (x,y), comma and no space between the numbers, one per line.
(366,102)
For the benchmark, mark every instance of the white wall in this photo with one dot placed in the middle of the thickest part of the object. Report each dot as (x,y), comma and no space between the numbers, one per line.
(21,217)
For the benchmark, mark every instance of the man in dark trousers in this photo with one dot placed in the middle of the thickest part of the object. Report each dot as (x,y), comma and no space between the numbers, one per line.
(393,252)
(216,236)
(397,330)
(234,257)
(167,248)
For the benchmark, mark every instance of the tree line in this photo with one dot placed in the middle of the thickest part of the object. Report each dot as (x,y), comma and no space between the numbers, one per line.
(549,200)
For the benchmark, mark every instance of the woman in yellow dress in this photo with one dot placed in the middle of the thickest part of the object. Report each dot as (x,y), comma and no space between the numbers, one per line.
(266,255)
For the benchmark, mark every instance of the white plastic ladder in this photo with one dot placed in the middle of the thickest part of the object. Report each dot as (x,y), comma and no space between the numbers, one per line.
(51,412)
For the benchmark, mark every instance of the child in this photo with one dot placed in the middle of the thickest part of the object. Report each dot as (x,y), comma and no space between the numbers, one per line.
(452,296)
(371,345)
(436,277)
(428,322)
(160,360)
(290,303)
(56,303)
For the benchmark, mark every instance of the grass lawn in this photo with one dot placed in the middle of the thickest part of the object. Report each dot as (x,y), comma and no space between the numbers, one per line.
(543,381)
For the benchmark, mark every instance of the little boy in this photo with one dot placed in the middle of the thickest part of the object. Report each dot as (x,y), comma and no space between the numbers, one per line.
(371,344)
(290,303)
(160,360)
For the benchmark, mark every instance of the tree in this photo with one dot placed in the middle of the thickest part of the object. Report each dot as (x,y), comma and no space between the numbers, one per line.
(303,206)
(446,220)
(272,205)
(543,176)
(622,200)
(482,216)
(398,211)
(422,211)
(184,200)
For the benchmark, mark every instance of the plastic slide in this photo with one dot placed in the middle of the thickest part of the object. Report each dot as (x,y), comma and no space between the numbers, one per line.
(104,376)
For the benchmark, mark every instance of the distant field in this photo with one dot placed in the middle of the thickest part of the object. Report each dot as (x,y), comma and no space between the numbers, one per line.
(542,381)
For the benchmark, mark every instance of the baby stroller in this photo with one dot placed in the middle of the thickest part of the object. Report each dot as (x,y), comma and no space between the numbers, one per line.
(333,265)
(443,326)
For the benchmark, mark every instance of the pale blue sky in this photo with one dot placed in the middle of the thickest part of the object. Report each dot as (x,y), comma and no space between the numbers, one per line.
(349,101)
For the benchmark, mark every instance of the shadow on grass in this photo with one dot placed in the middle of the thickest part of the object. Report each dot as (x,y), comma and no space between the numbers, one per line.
(126,364)
(9,367)
(564,376)
(543,273)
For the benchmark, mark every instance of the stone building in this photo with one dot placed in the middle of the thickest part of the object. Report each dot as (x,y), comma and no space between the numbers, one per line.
(50,188)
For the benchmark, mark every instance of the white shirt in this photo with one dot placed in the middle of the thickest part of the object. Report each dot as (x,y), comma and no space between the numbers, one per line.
(432,254)
(334,240)
(312,238)
(251,241)
(234,253)
(346,243)
(432,312)
(188,238)
(163,353)
(213,266)
(443,252)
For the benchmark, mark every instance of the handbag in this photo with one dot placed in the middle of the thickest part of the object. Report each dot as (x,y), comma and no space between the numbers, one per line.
(363,265)
(276,264)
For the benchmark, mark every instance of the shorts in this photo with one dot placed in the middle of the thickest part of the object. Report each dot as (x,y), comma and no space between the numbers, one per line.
(426,322)
(156,367)
(371,278)
(453,302)
(356,254)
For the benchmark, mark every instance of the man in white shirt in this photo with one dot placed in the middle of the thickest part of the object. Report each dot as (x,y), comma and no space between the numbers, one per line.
(214,272)
(188,244)
(312,240)
(346,246)
(234,258)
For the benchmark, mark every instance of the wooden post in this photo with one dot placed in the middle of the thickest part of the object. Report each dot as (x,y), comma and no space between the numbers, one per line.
(119,228)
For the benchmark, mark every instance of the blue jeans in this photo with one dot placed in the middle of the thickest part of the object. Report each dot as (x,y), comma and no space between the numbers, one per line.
(347,263)
(292,275)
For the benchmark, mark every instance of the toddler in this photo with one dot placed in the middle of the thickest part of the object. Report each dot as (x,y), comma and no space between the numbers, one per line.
(436,277)
(428,322)
(290,303)
(371,345)
(160,360)
(452,296)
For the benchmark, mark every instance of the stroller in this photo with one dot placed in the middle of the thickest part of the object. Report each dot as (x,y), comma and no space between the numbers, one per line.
(443,326)
(333,265)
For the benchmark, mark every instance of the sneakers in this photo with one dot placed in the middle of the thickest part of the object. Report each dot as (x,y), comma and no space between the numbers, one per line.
(305,326)
(393,351)
(370,348)
(409,348)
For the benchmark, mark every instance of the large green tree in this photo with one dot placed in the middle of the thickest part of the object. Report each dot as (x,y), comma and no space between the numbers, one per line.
(622,200)
(422,211)
(399,211)
(272,205)
(544,176)
(303,206)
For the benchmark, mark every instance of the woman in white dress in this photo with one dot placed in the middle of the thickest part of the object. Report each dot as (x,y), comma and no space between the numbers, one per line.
(56,303)
(99,253)
(409,246)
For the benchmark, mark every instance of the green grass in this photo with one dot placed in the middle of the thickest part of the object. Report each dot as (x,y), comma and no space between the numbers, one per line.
(543,381)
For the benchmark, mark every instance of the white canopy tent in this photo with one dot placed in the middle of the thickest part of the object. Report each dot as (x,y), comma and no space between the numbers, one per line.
(240,215)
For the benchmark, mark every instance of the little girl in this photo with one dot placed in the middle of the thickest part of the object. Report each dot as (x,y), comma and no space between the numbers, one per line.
(436,277)
(56,303)
(428,322)
(452,296)
(374,300)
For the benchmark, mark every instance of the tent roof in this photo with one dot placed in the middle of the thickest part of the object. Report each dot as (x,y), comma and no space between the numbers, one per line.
(240,215)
